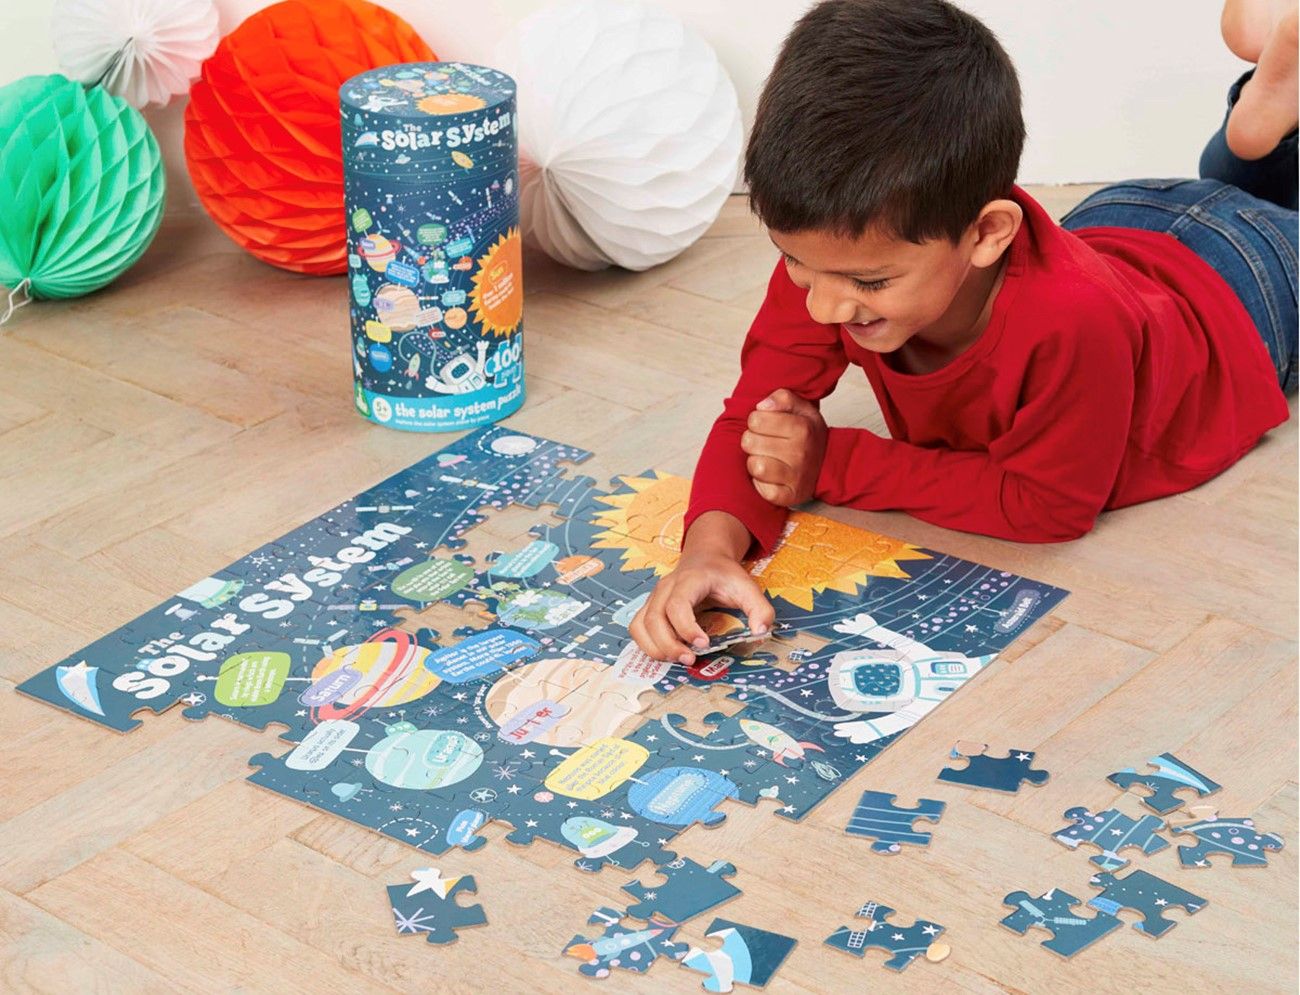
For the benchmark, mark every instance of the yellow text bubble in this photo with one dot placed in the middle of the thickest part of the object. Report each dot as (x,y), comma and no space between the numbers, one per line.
(597,769)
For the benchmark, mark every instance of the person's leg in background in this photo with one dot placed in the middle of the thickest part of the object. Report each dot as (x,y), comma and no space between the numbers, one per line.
(1255,149)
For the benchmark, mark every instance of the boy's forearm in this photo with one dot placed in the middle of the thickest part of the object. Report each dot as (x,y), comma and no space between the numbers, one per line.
(720,533)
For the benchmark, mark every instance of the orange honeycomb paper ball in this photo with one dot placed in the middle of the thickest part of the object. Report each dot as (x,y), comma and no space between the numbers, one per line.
(262,135)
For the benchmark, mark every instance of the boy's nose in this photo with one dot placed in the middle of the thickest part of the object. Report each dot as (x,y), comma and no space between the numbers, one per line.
(827,306)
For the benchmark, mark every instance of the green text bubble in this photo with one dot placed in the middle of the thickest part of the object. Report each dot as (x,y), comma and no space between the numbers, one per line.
(250,679)
(361,219)
(432,580)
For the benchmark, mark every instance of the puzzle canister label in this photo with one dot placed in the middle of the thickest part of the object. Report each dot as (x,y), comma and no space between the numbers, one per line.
(435,281)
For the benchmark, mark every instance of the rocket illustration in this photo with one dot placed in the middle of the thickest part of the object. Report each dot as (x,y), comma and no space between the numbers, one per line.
(781,744)
(605,947)
(413,366)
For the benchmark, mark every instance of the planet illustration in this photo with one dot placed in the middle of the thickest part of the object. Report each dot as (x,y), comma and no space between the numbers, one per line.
(455,317)
(409,757)
(392,672)
(450,103)
(542,691)
(461,159)
(539,609)
(513,445)
(378,251)
(397,307)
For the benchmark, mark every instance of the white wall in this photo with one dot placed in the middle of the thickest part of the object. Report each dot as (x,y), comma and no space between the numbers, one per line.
(1112,88)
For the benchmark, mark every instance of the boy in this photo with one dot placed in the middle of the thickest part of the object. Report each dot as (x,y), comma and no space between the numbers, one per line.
(1031,375)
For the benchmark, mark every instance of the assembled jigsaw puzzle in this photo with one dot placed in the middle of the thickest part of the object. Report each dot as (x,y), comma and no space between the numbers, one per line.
(531,715)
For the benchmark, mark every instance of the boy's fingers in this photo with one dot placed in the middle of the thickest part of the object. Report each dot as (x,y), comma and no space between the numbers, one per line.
(777,494)
(681,613)
(768,470)
(748,597)
(779,424)
(666,644)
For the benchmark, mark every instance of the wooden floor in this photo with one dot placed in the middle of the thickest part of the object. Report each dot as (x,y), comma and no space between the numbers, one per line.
(152,433)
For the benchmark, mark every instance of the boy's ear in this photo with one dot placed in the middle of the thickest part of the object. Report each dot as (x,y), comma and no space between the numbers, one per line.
(996,226)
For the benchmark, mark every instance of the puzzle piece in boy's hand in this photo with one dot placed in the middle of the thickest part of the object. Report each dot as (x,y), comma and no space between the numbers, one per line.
(903,943)
(1111,831)
(748,955)
(1236,837)
(1171,775)
(1144,893)
(1054,911)
(688,889)
(429,905)
(619,946)
(994,773)
(877,817)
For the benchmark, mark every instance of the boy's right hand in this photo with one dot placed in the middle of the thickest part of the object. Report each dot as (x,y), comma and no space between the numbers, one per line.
(709,569)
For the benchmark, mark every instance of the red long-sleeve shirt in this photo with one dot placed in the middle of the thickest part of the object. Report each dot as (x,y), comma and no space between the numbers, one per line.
(1116,367)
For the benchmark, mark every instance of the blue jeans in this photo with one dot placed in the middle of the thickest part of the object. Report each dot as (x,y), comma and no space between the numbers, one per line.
(1240,217)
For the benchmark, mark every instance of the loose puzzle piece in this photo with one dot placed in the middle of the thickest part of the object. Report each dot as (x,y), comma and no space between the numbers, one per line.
(903,943)
(429,905)
(994,773)
(1053,911)
(877,817)
(532,714)
(629,949)
(1111,831)
(1171,774)
(1236,837)
(688,890)
(1147,894)
(748,955)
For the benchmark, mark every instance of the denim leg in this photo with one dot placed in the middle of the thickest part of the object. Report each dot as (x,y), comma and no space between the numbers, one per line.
(1271,178)
(1250,242)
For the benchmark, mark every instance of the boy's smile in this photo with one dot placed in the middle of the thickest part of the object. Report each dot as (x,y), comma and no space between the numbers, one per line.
(887,293)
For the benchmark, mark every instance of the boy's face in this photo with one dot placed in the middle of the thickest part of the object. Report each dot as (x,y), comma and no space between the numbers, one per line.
(885,290)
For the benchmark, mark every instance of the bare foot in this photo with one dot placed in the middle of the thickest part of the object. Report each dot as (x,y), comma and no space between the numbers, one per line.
(1246,25)
(1267,109)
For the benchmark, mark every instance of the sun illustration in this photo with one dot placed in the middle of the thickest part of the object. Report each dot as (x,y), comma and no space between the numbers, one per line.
(818,554)
(450,103)
(497,298)
(815,555)
(646,523)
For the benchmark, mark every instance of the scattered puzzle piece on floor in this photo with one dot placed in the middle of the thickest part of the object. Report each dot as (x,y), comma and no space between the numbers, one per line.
(992,773)
(1236,837)
(1111,831)
(626,948)
(1053,911)
(903,943)
(429,905)
(1171,774)
(688,890)
(877,817)
(748,955)
(1144,893)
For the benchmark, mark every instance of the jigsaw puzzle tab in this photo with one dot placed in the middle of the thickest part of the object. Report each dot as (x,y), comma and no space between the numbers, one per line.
(429,905)
(1170,775)
(1111,831)
(748,955)
(1236,838)
(1005,774)
(1054,911)
(688,890)
(877,817)
(626,948)
(1147,894)
(903,943)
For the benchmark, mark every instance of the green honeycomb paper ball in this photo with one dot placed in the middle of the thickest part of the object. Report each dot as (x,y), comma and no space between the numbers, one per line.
(81,186)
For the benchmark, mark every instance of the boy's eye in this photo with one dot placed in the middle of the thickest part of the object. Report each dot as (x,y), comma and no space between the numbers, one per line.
(870,285)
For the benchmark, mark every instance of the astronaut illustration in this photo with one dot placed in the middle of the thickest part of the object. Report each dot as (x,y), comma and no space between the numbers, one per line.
(906,680)
(461,374)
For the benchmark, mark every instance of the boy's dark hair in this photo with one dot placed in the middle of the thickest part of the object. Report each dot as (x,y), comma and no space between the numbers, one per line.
(899,113)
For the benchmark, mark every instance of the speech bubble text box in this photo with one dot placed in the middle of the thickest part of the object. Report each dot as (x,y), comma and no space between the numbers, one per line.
(597,768)
(322,745)
(250,679)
